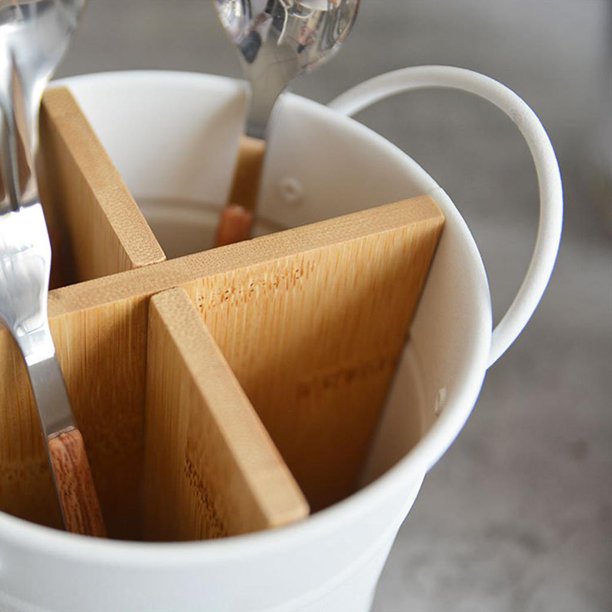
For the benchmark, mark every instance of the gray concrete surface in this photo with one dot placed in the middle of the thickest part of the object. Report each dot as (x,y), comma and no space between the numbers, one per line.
(517,517)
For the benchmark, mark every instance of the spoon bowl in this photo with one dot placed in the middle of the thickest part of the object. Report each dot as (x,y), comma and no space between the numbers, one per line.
(279,39)
(34,35)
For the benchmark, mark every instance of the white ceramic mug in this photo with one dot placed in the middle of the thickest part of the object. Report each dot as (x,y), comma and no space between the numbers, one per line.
(174,137)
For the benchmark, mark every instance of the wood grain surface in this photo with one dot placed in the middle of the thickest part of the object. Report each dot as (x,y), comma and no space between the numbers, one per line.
(310,320)
(211,469)
(78,501)
(96,226)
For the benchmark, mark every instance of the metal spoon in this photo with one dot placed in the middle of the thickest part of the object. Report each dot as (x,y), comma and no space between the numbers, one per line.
(34,35)
(277,40)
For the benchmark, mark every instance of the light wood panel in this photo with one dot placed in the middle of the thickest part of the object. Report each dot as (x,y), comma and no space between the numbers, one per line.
(101,347)
(96,227)
(314,333)
(211,469)
(26,488)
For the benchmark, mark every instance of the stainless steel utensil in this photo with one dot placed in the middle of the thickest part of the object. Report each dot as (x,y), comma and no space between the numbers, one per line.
(279,39)
(34,35)
(276,41)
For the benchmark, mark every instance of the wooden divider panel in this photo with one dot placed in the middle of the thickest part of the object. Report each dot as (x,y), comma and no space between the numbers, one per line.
(96,230)
(211,469)
(101,346)
(96,226)
(314,331)
(305,325)
(311,321)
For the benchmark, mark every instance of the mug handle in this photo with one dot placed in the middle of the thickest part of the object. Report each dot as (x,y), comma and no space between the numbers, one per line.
(549,178)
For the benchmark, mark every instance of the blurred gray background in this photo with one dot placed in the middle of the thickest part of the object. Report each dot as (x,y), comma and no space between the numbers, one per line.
(517,517)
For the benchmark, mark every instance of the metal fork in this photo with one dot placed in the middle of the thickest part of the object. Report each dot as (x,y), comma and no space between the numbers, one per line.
(33,37)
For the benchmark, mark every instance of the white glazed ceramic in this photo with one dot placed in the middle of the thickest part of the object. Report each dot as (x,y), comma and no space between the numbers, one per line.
(174,137)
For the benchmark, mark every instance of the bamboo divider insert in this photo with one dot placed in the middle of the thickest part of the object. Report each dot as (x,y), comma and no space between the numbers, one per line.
(314,334)
(306,326)
(96,226)
(210,468)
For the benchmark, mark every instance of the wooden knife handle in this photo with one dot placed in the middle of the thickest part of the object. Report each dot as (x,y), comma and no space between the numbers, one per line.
(74,483)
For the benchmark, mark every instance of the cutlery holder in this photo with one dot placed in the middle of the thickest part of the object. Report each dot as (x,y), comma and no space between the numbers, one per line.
(187,375)
(174,137)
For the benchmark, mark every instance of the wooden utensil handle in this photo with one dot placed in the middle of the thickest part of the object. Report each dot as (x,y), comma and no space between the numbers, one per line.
(235,223)
(74,483)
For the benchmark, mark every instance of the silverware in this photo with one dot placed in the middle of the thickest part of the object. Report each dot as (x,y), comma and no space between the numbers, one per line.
(34,35)
(278,40)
